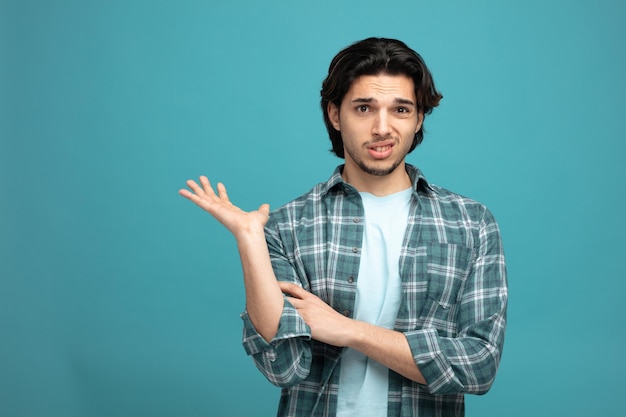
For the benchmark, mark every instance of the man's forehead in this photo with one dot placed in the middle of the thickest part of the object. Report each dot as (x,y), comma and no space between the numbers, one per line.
(375,87)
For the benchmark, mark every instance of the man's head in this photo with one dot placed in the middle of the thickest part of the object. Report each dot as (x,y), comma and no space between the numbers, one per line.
(374,56)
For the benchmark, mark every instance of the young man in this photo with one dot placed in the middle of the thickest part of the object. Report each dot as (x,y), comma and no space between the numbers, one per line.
(376,293)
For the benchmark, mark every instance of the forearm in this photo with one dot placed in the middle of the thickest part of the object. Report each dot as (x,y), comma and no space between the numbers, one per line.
(388,347)
(264,299)
(385,346)
(452,364)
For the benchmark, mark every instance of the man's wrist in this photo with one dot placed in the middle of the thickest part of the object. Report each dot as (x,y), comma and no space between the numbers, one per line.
(250,235)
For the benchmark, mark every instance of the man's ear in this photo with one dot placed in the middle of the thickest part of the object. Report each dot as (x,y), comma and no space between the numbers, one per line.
(333,115)
(420,120)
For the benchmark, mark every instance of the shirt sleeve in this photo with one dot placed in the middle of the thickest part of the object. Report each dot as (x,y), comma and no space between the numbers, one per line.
(286,359)
(468,362)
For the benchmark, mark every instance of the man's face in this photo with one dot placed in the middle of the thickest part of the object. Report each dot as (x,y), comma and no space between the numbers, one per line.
(378,119)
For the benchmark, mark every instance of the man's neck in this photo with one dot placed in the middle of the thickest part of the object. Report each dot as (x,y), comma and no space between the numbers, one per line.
(379,185)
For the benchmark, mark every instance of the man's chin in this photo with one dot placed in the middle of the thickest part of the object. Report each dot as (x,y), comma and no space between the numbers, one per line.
(379,171)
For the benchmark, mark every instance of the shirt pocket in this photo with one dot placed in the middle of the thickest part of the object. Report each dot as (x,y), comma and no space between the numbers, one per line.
(447,268)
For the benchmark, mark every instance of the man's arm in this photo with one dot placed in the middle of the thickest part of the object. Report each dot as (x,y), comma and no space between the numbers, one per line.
(386,346)
(264,299)
(287,359)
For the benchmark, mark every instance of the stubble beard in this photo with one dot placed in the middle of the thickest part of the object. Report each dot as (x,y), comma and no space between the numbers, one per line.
(374,170)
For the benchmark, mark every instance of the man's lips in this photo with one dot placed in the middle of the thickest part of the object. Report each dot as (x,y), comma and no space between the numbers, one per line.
(380,150)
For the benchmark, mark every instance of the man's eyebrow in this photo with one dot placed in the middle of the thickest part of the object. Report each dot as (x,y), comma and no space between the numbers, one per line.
(404,101)
(372,100)
(363,100)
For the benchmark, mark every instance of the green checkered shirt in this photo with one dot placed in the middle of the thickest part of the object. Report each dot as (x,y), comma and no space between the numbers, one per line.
(452,312)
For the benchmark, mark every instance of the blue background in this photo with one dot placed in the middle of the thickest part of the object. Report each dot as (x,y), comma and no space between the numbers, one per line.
(120,298)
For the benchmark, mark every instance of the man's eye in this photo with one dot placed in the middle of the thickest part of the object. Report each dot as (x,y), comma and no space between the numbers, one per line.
(362,109)
(403,110)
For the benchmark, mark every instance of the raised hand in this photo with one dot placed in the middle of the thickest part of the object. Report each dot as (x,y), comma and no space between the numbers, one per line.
(219,206)
(264,300)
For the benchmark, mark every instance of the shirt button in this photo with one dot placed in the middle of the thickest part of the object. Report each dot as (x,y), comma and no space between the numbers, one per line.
(351,280)
(356,220)
(346,313)
(355,250)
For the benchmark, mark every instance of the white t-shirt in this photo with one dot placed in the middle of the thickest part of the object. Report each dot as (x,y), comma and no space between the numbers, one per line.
(363,382)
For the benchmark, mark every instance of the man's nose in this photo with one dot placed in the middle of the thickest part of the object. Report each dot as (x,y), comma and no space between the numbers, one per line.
(381,124)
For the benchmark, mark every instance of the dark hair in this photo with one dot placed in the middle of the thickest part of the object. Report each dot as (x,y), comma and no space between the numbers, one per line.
(375,56)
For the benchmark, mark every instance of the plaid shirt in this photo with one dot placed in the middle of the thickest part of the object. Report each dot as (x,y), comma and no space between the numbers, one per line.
(452,312)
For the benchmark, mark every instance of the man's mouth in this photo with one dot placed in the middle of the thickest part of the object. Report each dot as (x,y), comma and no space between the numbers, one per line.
(382,148)
(380,151)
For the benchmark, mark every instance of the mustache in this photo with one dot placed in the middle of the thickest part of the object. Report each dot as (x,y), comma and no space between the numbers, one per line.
(380,139)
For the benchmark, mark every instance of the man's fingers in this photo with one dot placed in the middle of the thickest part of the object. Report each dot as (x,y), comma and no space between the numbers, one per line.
(193,186)
(293,301)
(206,186)
(292,289)
(221,191)
(185,193)
(204,189)
(265,209)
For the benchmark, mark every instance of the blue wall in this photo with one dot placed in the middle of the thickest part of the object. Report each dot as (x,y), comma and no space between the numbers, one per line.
(120,298)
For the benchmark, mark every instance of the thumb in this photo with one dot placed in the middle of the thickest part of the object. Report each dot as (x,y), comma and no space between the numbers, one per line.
(265,209)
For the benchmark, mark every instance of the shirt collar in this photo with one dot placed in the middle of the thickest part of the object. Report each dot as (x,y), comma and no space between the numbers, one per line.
(420,184)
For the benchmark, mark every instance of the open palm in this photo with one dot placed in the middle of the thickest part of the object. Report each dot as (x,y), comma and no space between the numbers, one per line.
(219,206)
